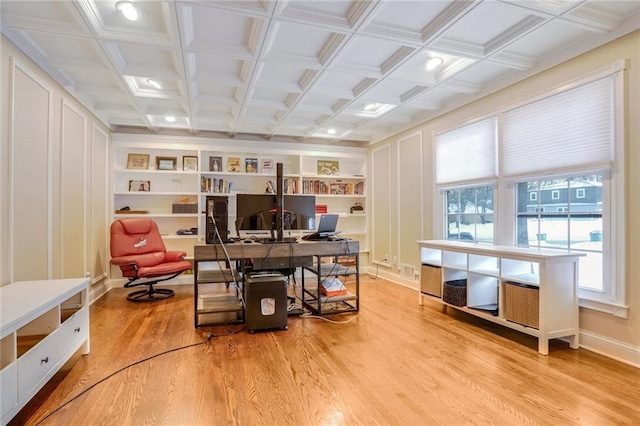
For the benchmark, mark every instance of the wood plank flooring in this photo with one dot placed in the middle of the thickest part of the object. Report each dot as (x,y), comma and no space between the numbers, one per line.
(396,363)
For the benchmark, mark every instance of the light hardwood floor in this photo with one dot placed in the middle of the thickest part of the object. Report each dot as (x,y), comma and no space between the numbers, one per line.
(397,363)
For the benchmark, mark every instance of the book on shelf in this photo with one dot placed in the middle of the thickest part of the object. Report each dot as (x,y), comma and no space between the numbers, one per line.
(233,165)
(215,185)
(268,166)
(215,164)
(332,287)
(251,165)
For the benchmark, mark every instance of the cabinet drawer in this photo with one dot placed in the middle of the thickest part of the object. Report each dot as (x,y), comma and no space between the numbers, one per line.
(34,365)
(73,330)
(9,383)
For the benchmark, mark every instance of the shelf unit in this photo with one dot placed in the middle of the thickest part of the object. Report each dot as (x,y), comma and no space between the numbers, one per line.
(497,277)
(344,266)
(43,324)
(168,187)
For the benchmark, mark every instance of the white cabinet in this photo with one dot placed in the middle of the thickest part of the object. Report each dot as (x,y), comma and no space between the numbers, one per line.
(43,324)
(530,290)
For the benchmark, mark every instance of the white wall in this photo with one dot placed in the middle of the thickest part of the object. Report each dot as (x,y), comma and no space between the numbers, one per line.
(53,179)
(616,337)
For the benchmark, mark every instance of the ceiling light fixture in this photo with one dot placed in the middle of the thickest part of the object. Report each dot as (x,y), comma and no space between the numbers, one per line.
(331,131)
(434,63)
(127,9)
(372,106)
(154,83)
(170,118)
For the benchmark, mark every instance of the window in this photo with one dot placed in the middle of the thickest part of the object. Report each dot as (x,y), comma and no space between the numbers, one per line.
(573,226)
(555,183)
(469,214)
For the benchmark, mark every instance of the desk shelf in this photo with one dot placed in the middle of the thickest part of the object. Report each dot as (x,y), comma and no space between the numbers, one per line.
(320,304)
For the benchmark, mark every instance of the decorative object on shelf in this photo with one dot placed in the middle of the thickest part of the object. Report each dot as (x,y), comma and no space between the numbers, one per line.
(166,163)
(328,167)
(233,165)
(215,164)
(139,186)
(321,208)
(356,209)
(191,231)
(251,165)
(190,163)
(138,161)
(127,210)
(268,166)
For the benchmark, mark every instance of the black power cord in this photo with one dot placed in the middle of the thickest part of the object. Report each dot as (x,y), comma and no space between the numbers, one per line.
(209,337)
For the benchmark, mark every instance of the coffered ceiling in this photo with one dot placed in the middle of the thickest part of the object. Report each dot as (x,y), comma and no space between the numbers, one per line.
(351,70)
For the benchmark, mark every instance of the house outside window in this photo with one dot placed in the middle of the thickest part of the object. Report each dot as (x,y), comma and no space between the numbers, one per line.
(574,226)
(555,195)
(580,193)
(533,196)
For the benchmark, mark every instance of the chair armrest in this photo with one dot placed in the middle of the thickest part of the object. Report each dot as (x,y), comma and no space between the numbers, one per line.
(175,256)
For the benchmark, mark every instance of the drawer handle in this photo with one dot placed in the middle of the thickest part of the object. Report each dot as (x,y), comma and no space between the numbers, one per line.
(44,361)
(77,329)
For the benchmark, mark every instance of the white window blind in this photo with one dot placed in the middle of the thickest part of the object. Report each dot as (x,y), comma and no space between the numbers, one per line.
(467,153)
(570,130)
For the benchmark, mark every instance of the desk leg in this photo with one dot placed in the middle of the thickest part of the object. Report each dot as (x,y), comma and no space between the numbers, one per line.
(195,293)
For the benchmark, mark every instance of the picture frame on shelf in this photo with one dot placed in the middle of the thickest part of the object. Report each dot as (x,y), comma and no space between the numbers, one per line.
(251,165)
(233,165)
(166,163)
(138,161)
(190,163)
(328,167)
(268,166)
(139,186)
(215,164)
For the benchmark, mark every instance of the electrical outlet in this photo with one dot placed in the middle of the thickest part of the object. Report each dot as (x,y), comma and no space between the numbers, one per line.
(395,260)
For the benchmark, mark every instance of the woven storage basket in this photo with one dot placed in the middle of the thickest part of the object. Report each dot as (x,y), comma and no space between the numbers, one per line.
(184,208)
(522,304)
(455,292)
(431,280)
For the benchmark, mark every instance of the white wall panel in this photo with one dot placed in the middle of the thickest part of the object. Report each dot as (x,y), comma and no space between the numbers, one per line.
(98,212)
(30,176)
(381,203)
(409,199)
(72,180)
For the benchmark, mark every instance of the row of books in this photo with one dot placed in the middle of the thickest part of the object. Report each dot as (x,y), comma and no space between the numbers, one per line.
(215,185)
(334,188)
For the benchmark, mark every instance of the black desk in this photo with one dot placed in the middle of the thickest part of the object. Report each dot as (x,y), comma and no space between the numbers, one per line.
(307,254)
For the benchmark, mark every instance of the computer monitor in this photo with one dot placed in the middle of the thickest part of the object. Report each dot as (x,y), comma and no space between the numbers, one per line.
(256,213)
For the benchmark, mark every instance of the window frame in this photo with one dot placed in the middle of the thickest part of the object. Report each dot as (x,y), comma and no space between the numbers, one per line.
(614,299)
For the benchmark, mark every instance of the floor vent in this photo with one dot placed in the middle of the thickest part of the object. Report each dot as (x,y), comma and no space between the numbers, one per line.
(407,271)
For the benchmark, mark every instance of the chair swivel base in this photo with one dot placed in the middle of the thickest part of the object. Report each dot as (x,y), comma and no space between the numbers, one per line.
(150,294)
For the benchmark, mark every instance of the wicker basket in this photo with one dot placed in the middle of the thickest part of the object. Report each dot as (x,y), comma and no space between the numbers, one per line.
(455,292)
(184,208)
(522,304)
(431,280)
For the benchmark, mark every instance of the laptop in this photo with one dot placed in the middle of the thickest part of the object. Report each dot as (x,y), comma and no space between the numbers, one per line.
(326,228)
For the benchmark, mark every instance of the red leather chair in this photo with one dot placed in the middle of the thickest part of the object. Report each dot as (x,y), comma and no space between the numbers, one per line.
(137,248)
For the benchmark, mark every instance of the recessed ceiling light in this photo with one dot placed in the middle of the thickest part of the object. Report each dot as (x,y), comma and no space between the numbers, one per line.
(434,63)
(331,131)
(127,9)
(154,83)
(372,106)
(170,118)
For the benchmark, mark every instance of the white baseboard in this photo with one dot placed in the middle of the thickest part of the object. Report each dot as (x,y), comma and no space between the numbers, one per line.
(602,345)
(610,348)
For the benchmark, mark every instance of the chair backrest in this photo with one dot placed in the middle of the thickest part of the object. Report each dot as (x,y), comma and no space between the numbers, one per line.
(135,235)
